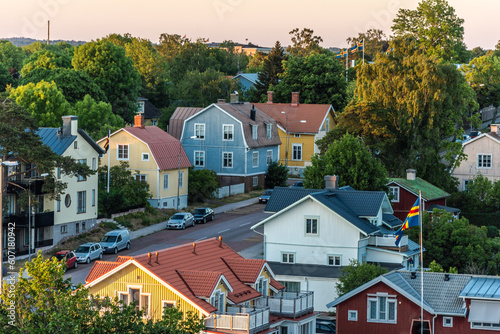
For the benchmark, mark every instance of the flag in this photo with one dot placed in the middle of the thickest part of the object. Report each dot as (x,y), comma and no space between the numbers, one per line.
(106,145)
(413,216)
(354,48)
(345,52)
(360,46)
(184,37)
(389,51)
(339,55)
(399,236)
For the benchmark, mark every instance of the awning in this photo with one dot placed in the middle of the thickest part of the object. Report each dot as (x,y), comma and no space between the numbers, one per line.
(482,311)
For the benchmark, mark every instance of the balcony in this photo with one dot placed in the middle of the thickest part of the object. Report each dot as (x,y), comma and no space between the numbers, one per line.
(388,241)
(44,219)
(239,320)
(289,304)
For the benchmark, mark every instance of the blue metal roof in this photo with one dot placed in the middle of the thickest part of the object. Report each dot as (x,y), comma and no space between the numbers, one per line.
(482,287)
(283,197)
(57,143)
(391,220)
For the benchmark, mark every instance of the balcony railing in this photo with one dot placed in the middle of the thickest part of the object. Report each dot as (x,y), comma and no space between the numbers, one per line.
(289,304)
(239,320)
(387,241)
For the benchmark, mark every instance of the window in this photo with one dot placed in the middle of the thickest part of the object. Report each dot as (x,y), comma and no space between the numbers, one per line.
(312,226)
(199,158)
(296,151)
(291,286)
(327,125)
(394,194)
(447,321)
(269,130)
(199,131)
(334,260)
(140,107)
(296,135)
(165,181)
(381,308)
(93,197)
(466,185)
(254,131)
(145,157)
(352,315)
(485,325)
(181,179)
(255,159)
(261,286)
(64,229)
(58,205)
(77,227)
(141,177)
(82,202)
(168,303)
(80,177)
(75,144)
(58,172)
(484,161)
(288,257)
(255,181)
(67,200)
(135,295)
(154,122)
(269,157)
(228,130)
(122,152)
(217,300)
(227,159)
(94,164)
(306,328)
(83,226)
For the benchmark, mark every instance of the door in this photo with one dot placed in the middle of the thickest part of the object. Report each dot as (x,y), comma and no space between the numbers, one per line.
(119,242)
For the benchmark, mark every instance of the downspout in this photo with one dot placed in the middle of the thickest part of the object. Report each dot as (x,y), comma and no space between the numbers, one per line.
(158,186)
(433,321)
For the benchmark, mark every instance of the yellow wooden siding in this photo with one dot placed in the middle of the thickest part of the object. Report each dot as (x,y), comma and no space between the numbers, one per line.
(134,276)
(307,141)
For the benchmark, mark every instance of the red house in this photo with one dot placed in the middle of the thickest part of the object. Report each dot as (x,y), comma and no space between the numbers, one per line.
(404,192)
(391,303)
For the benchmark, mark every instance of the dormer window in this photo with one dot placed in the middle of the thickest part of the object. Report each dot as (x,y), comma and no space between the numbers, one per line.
(140,107)
(254,131)
(269,130)
(217,300)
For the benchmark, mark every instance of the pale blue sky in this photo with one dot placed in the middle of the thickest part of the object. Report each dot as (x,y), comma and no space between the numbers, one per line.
(260,21)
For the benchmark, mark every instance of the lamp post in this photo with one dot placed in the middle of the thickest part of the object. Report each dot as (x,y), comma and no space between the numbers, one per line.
(179,173)
(288,135)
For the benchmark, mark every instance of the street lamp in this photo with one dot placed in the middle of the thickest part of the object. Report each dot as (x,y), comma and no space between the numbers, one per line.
(179,172)
(287,135)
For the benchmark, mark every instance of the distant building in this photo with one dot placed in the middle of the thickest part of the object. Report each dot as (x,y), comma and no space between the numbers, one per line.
(150,113)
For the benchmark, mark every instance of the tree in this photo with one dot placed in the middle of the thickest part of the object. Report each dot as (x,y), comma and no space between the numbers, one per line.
(435,26)
(276,176)
(304,42)
(256,63)
(113,72)
(46,59)
(477,52)
(11,55)
(435,267)
(374,43)
(170,45)
(356,274)
(271,68)
(483,75)
(202,184)
(351,161)
(5,77)
(318,77)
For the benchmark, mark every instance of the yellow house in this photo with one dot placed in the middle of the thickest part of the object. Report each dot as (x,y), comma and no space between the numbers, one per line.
(232,294)
(153,156)
(299,126)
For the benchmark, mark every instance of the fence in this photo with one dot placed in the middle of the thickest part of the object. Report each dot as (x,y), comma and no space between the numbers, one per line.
(230,190)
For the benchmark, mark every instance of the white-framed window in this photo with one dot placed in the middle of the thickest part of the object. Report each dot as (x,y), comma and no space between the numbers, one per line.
(64,229)
(254,131)
(306,328)
(218,300)
(75,144)
(228,132)
(81,206)
(311,225)
(140,107)
(255,181)
(94,163)
(141,177)
(79,177)
(484,161)
(199,131)
(181,179)
(145,157)
(168,304)
(296,135)
(165,181)
(382,308)
(255,159)
(154,122)
(261,286)
(93,197)
(227,159)
(327,124)
(394,192)
(269,157)
(297,152)
(334,260)
(134,294)
(485,325)
(269,130)
(58,172)
(58,205)
(447,321)
(199,158)
(287,257)
(466,185)
(352,315)
(122,152)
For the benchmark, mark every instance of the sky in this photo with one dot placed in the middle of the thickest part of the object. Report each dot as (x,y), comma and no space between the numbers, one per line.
(260,22)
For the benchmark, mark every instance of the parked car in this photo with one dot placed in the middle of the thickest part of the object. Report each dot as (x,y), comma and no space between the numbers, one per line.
(299,184)
(325,327)
(202,215)
(474,134)
(68,257)
(88,252)
(180,220)
(264,198)
(463,139)
(115,240)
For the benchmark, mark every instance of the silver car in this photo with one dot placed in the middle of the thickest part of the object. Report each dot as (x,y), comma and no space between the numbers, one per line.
(88,252)
(180,220)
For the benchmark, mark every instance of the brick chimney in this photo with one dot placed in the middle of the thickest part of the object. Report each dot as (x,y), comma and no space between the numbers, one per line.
(139,121)
(295,99)
(331,182)
(411,174)
(235,97)
(495,128)
(270,97)
(221,100)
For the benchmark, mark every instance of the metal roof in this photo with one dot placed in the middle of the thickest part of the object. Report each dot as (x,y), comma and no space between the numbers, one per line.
(429,191)
(176,122)
(57,143)
(283,197)
(482,287)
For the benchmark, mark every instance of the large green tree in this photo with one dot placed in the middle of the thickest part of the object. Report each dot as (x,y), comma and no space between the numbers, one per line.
(304,42)
(46,59)
(483,75)
(351,161)
(374,43)
(11,55)
(113,72)
(202,184)
(356,274)
(271,68)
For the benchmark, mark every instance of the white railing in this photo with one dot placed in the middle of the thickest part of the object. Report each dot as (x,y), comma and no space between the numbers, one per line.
(239,319)
(387,241)
(289,304)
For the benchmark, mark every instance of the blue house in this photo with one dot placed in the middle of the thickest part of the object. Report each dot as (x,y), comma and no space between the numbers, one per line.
(247,80)
(236,140)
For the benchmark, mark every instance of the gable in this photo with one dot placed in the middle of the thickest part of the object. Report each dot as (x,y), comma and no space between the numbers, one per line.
(429,191)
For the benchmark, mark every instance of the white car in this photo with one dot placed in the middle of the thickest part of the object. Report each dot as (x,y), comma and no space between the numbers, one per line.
(180,220)
(88,252)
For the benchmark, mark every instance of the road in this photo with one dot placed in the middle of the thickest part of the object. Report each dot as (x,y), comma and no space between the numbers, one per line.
(234,227)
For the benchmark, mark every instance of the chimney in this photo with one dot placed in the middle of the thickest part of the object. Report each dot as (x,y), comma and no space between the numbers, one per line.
(253,113)
(331,182)
(157,258)
(270,97)
(149,258)
(70,126)
(495,128)
(194,248)
(295,99)
(234,97)
(220,241)
(139,121)
(411,174)
(221,100)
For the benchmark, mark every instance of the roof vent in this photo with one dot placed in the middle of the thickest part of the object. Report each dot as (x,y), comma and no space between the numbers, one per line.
(157,258)
(220,241)
(413,275)
(446,277)
(221,100)
(253,113)
(194,248)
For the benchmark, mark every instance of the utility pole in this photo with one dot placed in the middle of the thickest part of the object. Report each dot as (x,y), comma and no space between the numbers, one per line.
(48,32)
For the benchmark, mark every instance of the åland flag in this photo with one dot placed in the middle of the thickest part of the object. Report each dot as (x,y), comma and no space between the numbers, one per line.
(354,49)
(340,54)
(106,144)
(360,45)
(411,220)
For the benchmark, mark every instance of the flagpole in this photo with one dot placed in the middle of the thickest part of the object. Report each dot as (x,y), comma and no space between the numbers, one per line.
(109,154)
(363,51)
(346,64)
(420,211)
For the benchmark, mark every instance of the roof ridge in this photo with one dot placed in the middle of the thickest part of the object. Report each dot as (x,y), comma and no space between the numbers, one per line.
(231,269)
(185,283)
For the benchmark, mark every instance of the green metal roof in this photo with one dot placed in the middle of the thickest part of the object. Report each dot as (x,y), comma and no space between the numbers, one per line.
(429,191)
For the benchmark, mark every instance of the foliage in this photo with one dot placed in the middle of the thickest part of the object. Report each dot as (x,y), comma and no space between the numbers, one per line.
(113,72)
(46,59)
(374,43)
(44,100)
(5,77)
(96,118)
(170,45)
(256,63)
(351,161)
(356,274)
(483,75)
(435,267)
(11,55)
(202,184)
(271,68)
(428,24)
(276,175)
(125,191)
(318,77)
(304,42)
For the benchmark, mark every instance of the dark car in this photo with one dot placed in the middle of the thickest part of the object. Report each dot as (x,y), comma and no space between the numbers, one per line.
(265,196)
(299,184)
(68,257)
(474,134)
(325,327)
(202,215)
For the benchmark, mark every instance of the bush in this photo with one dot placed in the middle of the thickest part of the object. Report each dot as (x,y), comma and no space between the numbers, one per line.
(276,175)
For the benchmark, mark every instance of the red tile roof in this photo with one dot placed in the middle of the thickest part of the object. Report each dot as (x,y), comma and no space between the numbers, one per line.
(202,283)
(164,148)
(122,259)
(247,270)
(99,269)
(313,114)
(277,285)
